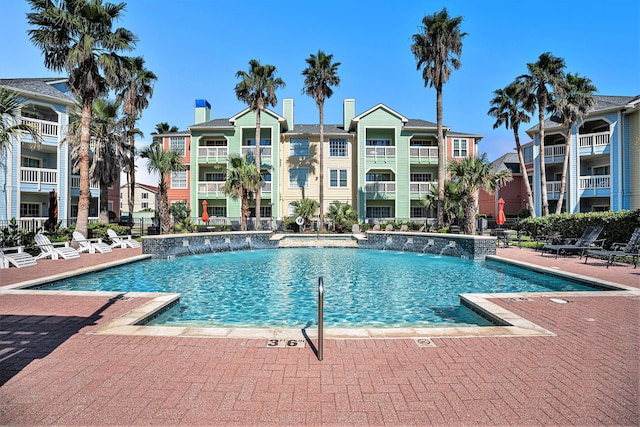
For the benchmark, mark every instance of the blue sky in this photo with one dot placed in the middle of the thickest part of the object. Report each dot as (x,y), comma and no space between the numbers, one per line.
(196,46)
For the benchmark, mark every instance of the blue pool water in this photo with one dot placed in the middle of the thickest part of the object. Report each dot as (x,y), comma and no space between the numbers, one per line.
(279,288)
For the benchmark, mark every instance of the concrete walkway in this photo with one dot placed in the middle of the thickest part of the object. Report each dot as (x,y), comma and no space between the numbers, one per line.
(55,371)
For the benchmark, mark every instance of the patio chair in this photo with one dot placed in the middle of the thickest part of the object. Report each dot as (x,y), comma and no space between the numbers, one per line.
(404,228)
(630,249)
(355,229)
(15,256)
(54,250)
(90,245)
(122,241)
(376,227)
(389,227)
(550,238)
(588,239)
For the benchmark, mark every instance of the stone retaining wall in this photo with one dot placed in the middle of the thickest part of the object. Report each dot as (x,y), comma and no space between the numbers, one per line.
(197,243)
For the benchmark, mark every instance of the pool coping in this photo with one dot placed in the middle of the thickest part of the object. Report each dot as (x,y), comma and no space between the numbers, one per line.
(513,325)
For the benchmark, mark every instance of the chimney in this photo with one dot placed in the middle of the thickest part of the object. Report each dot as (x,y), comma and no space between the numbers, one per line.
(349,112)
(287,111)
(203,111)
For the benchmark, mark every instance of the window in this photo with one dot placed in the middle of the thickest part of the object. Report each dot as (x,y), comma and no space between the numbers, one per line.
(144,196)
(338,178)
(39,112)
(217,210)
(423,143)
(602,208)
(215,143)
(600,170)
(30,162)
(292,210)
(418,212)
(29,210)
(299,147)
(420,177)
(215,176)
(177,145)
(265,211)
(459,148)
(263,142)
(379,212)
(338,147)
(299,178)
(375,177)
(379,142)
(145,205)
(179,179)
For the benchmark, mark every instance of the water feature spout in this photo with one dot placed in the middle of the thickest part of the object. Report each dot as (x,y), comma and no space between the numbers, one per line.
(387,243)
(227,241)
(248,241)
(409,242)
(450,245)
(430,243)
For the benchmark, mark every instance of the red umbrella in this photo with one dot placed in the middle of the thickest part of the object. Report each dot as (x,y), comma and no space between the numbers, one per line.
(501,218)
(205,214)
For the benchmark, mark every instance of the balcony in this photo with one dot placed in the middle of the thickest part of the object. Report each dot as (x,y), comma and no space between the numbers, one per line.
(380,189)
(554,153)
(421,189)
(593,140)
(38,176)
(213,154)
(595,183)
(265,151)
(43,127)
(380,153)
(423,155)
(75,183)
(211,188)
(553,189)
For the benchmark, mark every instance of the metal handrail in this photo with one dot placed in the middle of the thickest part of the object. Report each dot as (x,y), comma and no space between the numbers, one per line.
(320,317)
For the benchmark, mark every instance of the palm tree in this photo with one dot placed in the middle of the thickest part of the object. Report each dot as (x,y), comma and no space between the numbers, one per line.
(163,163)
(305,208)
(320,75)
(508,110)
(537,92)
(343,216)
(77,36)
(106,141)
(243,182)
(10,105)
(257,89)
(572,101)
(136,89)
(437,48)
(453,198)
(472,174)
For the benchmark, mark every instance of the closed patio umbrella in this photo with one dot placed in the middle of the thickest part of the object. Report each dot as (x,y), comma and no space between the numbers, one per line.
(53,210)
(501,218)
(205,214)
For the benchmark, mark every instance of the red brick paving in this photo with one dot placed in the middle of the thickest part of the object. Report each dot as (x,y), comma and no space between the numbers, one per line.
(53,371)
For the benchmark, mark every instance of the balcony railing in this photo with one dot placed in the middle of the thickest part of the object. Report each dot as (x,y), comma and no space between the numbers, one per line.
(421,188)
(593,140)
(43,127)
(211,187)
(598,182)
(380,152)
(264,151)
(213,152)
(38,176)
(554,150)
(380,187)
(426,153)
(75,183)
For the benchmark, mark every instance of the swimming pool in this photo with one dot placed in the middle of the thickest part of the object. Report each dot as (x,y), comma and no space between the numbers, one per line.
(278,288)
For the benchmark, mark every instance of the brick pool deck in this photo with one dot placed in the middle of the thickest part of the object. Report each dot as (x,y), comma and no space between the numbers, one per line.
(55,370)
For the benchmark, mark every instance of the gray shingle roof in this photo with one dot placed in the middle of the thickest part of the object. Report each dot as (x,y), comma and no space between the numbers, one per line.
(499,164)
(215,123)
(38,86)
(329,129)
(418,123)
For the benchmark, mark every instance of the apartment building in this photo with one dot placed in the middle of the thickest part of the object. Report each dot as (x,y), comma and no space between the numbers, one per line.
(377,161)
(29,172)
(145,198)
(604,158)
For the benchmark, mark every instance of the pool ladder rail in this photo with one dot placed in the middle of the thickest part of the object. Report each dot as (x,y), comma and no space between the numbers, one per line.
(320,317)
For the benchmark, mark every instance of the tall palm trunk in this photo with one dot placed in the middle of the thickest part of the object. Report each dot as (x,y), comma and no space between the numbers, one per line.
(543,169)
(321,193)
(258,162)
(523,168)
(132,171)
(442,158)
(103,215)
(470,209)
(163,206)
(565,168)
(82,221)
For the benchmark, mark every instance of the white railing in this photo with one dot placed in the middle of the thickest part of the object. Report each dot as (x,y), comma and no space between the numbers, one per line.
(383,152)
(265,187)
(593,139)
(215,152)
(430,153)
(75,183)
(264,151)
(43,127)
(380,187)
(421,188)
(553,187)
(211,187)
(597,182)
(38,176)
(554,150)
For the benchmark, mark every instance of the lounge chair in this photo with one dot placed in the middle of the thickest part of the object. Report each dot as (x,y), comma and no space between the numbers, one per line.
(54,250)
(90,245)
(389,227)
(630,249)
(404,228)
(376,227)
(122,241)
(15,256)
(355,229)
(586,241)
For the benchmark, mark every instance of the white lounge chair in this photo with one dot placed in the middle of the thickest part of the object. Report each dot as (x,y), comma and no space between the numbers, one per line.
(15,256)
(90,245)
(122,241)
(54,250)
